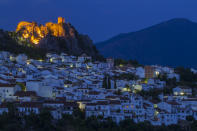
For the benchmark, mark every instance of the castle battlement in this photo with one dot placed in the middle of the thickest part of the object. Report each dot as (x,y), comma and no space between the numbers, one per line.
(61,20)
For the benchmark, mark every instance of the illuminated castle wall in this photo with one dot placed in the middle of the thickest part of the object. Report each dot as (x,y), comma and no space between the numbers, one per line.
(61,20)
(34,32)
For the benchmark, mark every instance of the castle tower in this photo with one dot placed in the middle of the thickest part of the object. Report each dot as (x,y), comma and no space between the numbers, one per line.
(61,20)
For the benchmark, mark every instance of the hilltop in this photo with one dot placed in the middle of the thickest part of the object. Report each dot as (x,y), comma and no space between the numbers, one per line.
(51,37)
(171,43)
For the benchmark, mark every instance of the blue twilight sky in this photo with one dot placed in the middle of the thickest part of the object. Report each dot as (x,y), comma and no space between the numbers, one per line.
(100,19)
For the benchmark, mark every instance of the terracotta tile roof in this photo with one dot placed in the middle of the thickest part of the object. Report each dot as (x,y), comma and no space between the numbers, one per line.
(190,99)
(124,98)
(6,85)
(173,103)
(3,105)
(94,93)
(114,102)
(102,103)
(25,93)
(111,97)
(30,104)
(73,104)
(91,104)
(54,102)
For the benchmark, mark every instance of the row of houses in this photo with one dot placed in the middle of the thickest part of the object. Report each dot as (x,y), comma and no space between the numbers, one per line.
(64,83)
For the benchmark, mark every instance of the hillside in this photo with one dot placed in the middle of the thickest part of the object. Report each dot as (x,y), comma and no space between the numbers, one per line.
(35,39)
(172,43)
(7,43)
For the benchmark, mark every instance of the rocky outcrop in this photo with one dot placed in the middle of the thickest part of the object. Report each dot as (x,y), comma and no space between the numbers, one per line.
(57,37)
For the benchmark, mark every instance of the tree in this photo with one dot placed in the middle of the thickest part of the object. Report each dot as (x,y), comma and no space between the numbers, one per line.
(127,87)
(194,126)
(23,87)
(119,62)
(104,84)
(186,74)
(108,83)
(11,120)
(190,118)
(31,121)
(126,76)
(115,84)
(118,92)
(45,120)
(79,114)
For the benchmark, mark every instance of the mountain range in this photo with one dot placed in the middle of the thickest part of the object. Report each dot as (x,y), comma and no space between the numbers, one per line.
(170,43)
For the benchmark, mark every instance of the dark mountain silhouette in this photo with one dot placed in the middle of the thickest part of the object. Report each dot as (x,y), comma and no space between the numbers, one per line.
(172,43)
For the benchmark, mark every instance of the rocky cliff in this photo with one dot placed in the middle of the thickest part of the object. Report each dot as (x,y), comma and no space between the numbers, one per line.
(56,37)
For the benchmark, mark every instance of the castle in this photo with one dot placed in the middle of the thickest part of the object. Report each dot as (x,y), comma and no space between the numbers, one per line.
(34,33)
(61,20)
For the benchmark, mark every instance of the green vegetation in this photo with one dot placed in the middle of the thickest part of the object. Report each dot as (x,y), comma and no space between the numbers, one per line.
(14,43)
(126,76)
(152,93)
(187,78)
(118,92)
(88,49)
(109,83)
(77,122)
(115,84)
(67,82)
(186,74)
(35,53)
(23,87)
(11,44)
(106,82)
(170,84)
(119,62)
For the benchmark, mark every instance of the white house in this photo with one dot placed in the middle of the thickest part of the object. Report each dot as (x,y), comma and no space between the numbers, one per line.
(7,91)
(29,107)
(181,91)
(40,89)
(84,57)
(140,72)
(21,59)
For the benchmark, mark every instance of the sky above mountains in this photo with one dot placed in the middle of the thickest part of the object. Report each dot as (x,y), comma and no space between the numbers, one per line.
(100,19)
